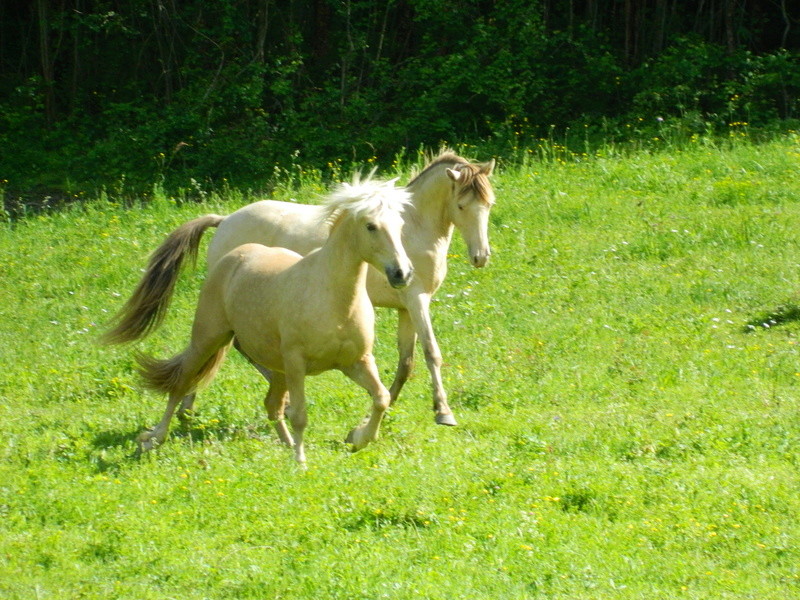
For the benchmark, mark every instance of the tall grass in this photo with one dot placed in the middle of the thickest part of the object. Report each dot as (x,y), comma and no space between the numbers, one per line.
(625,372)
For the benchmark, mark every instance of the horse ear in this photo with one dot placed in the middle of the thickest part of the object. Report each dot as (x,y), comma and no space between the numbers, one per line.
(488,167)
(453,174)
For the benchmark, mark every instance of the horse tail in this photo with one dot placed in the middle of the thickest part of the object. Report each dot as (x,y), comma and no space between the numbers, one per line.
(147,306)
(169,376)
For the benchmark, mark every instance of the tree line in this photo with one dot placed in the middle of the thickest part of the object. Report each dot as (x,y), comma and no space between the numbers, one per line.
(208,89)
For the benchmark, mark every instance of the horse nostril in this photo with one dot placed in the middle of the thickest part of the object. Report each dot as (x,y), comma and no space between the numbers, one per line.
(480,260)
(398,277)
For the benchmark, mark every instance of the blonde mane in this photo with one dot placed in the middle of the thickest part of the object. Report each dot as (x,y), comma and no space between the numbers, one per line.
(472,177)
(364,199)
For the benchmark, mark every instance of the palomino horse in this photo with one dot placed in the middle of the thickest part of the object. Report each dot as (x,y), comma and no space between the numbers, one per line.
(296,316)
(450,192)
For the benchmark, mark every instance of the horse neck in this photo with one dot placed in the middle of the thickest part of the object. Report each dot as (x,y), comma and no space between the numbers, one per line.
(344,269)
(430,194)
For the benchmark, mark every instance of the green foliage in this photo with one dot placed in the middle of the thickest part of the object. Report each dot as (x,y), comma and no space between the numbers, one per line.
(624,372)
(213,91)
(703,83)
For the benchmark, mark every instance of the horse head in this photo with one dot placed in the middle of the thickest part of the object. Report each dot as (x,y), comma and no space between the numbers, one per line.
(375,209)
(473,198)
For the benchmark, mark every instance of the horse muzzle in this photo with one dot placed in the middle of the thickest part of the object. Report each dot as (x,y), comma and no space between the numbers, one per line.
(399,277)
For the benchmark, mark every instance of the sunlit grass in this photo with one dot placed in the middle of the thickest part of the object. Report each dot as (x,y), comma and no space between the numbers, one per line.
(625,373)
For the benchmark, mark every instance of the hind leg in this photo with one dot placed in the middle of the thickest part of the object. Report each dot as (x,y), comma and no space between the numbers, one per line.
(265,373)
(186,408)
(180,376)
(154,437)
(187,404)
(365,374)
(406,339)
(277,397)
(187,369)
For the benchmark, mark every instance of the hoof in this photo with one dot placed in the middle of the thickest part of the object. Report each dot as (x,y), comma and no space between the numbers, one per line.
(147,441)
(356,439)
(447,419)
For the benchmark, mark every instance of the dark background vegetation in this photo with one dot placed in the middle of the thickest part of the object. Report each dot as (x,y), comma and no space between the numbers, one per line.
(139,92)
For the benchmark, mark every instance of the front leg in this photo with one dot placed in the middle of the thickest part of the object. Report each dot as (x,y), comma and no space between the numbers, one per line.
(295,373)
(419,309)
(365,374)
(275,402)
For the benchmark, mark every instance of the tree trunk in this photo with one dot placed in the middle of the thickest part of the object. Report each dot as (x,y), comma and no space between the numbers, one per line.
(261,35)
(46,62)
(730,32)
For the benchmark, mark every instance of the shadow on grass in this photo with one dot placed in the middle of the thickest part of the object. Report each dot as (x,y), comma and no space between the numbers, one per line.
(107,440)
(113,449)
(783,314)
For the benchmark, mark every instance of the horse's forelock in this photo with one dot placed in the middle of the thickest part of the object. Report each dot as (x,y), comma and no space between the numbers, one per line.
(473,179)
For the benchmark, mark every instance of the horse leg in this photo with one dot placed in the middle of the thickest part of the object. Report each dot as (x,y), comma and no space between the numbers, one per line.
(419,310)
(295,373)
(180,375)
(265,372)
(187,404)
(275,403)
(365,374)
(198,362)
(185,409)
(154,437)
(276,400)
(406,340)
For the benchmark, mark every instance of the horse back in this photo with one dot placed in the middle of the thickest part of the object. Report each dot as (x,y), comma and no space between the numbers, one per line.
(298,227)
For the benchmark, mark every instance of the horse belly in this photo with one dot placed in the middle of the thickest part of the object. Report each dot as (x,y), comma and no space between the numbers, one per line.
(334,354)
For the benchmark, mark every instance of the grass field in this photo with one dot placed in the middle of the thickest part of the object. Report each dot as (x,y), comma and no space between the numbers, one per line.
(625,373)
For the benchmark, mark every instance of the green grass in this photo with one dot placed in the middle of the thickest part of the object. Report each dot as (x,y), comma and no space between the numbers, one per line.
(625,373)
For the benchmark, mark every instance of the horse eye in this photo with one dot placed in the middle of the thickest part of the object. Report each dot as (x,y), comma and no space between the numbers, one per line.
(371,227)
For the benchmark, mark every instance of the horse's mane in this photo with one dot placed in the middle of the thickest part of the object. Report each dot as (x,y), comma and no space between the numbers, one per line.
(445,155)
(472,175)
(364,198)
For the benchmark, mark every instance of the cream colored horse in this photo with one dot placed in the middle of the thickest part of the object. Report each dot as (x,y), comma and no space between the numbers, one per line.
(449,193)
(295,316)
